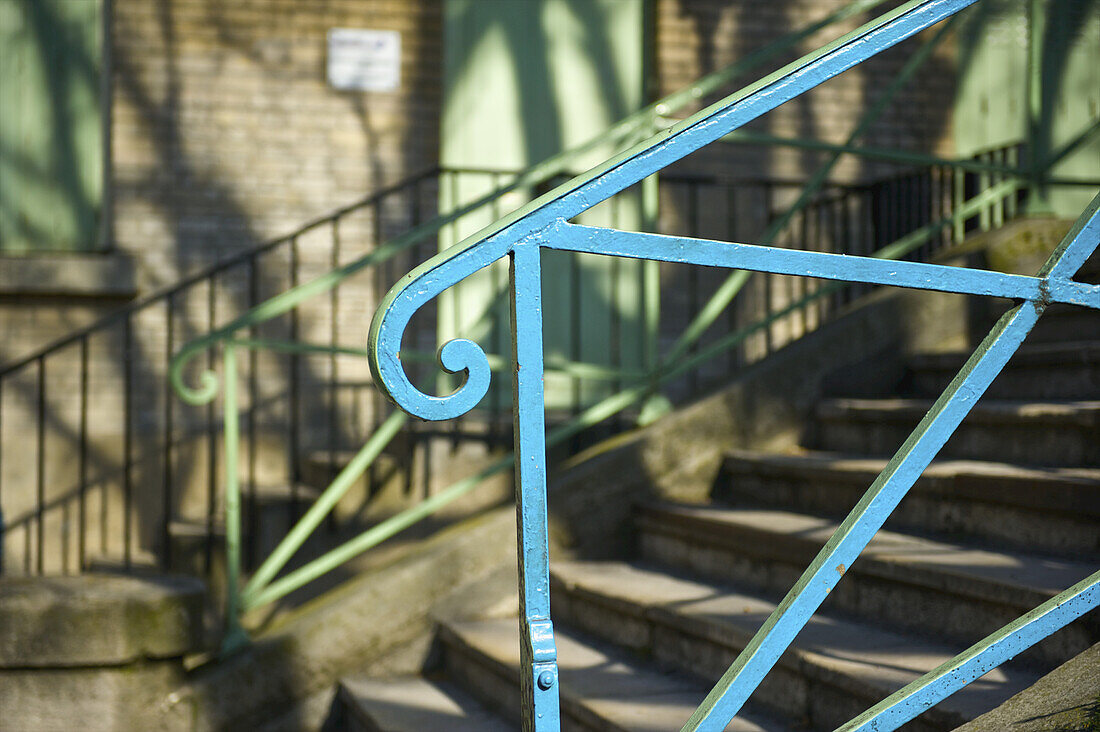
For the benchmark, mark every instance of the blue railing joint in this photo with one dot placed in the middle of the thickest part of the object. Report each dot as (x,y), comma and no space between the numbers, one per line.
(541,634)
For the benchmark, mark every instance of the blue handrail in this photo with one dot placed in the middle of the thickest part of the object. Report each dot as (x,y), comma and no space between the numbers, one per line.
(544,224)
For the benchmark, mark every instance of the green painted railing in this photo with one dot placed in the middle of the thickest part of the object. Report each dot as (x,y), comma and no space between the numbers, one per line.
(995,202)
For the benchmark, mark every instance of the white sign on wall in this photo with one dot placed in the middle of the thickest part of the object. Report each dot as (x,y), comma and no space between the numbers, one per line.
(364,60)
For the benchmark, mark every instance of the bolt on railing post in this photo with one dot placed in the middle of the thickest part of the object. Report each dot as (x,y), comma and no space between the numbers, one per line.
(234,633)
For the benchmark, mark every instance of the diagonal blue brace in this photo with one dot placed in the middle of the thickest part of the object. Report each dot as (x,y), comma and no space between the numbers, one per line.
(855,532)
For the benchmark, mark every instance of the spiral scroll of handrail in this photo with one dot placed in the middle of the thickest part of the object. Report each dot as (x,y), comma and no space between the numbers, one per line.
(391,319)
(208,379)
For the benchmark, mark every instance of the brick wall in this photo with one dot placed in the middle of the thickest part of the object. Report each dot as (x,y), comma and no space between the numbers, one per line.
(225,132)
(694,37)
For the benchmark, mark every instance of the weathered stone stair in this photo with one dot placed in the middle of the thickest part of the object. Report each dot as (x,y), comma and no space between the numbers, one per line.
(1007,518)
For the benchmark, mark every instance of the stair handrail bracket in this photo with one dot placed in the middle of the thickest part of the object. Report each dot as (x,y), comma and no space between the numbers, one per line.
(544,223)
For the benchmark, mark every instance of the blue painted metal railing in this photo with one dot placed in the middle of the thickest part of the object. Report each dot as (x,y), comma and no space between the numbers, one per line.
(544,224)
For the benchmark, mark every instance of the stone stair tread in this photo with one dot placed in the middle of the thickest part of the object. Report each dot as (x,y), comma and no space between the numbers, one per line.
(413,704)
(1084,412)
(607,686)
(1037,354)
(114,561)
(879,659)
(1046,488)
(1013,573)
(340,457)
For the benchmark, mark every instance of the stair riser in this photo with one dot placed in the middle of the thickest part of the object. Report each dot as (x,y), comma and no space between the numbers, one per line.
(943,508)
(497,687)
(1034,444)
(939,607)
(345,717)
(1057,382)
(796,689)
(1065,323)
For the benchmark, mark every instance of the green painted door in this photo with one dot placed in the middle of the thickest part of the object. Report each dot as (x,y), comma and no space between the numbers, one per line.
(525,79)
(993,107)
(51,141)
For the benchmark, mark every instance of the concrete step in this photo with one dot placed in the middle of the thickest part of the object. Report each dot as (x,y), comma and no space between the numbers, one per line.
(139,562)
(385,482)
(1062,370)
(945,590)
(1065,323)
(266,517)
(600,688)
(1049,510)
(834,670)
(409,704)
(1035,433)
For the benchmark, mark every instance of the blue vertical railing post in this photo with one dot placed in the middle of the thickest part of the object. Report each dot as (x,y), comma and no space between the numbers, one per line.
(538,654)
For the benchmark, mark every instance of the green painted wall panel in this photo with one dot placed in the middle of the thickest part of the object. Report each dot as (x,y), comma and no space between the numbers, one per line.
(992,104)
(525,79)
(51,156)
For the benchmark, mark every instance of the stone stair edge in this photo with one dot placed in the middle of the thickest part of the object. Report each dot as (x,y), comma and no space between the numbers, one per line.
(866,679)
(1031,487)
(882,562)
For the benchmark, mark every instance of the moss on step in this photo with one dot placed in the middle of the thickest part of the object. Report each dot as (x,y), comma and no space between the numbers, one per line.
(1065,700)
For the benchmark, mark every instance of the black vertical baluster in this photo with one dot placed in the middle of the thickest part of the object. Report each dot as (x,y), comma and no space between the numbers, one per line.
(693,279)
(575,334)
(920,212)
(41,466)
(885,223)
(169,420)
(211,443)
(766,289)
(928,190)
(935,202)
(947,185)
(616,325)
(910,203)
(499,327)
(456,296)
(293,429)
(732,233)
(826,225)
(897,209)
(3,527)
(333,338)
(127,441)
(379,406)
(252,546)
(416,254)
(82,458)
(844,242)
(800,285)
(1016,199)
